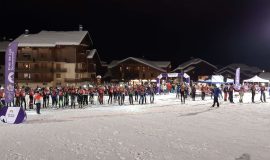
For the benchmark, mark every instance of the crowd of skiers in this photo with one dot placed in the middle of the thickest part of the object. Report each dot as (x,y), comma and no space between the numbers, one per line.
(64,97)
(183,90)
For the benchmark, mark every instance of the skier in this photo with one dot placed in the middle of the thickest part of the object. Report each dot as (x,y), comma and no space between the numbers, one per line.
(193,92)
(22,98)
(54,98)
(2,96)
(17,96)
(203,90)
(130,95)
(72,97)
(253,91)
(178,89)
(241,94)
(80,97)
(231,89)
(37,98)
(66,96)
(182,93)
(100,94)
(225,90)
(152,94)
(61,98)
(110,95)
(216,93)
(262,89)
(31,97)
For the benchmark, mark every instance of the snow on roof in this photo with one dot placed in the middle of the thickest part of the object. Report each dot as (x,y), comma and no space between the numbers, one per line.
(91,53)
(243,67)
(154,64)
(192,62)
(162,64)
(3,46)
(51,38)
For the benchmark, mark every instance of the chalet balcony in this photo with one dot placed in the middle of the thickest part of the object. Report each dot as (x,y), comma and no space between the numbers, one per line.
(33,59)
(34,70)
(77,80)
(34,80)
(59,70)
(24,59)
(80,70)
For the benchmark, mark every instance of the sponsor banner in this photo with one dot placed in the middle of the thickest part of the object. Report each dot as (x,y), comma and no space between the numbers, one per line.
(10,61)
(237,77)
(12,115)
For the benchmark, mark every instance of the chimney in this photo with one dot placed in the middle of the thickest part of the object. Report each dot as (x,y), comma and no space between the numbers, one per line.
(26,32)
(80,27)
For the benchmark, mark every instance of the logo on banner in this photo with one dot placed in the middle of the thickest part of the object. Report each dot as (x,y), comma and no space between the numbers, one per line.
(11,77)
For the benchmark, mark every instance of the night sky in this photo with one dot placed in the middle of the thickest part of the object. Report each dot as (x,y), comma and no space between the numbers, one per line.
(220,31)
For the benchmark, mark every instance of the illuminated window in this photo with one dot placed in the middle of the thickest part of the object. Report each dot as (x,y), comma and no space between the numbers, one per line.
(26,75)
(120,69)
(58,75)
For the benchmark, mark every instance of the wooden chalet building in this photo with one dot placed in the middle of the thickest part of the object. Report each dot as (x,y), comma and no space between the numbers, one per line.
(197,69)
(56,58)
(246,71)
(133,68)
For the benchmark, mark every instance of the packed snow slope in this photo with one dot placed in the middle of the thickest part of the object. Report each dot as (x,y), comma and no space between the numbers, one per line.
(165,130)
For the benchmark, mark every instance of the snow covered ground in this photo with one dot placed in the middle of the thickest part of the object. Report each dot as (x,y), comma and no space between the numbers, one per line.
(166,130)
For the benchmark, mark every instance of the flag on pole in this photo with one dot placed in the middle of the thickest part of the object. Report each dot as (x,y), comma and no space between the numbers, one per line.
(237,78)
(10,61)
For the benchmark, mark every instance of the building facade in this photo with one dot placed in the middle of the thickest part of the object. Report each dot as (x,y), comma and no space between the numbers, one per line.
(135,68)
(197,69)
(54,58)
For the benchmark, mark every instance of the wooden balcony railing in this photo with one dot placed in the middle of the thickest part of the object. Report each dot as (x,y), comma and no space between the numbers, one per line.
(34,70)
(60,70)
(77,80)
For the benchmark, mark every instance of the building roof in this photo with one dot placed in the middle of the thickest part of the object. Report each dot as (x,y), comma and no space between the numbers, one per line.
(51,38)
(265,75)
(3,45)
(159,65)
(244,69)
(194,61)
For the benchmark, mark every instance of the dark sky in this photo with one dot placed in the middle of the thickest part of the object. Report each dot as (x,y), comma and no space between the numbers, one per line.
(220,31)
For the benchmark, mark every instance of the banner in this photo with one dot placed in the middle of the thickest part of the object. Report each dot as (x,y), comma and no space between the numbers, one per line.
(12,115)
(237,77)
(10,61)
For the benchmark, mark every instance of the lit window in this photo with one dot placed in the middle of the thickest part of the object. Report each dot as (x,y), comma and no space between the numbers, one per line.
(58,75)
(127,68)
(26,76)
(120,69)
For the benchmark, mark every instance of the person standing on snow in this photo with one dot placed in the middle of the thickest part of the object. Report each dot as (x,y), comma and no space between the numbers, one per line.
(216,93)
(262,89)
(241,94)
(178,89)
(203,90)
(253,91)
(231,89)
(182,93)
(38,97)
(193,92)
(225,90)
